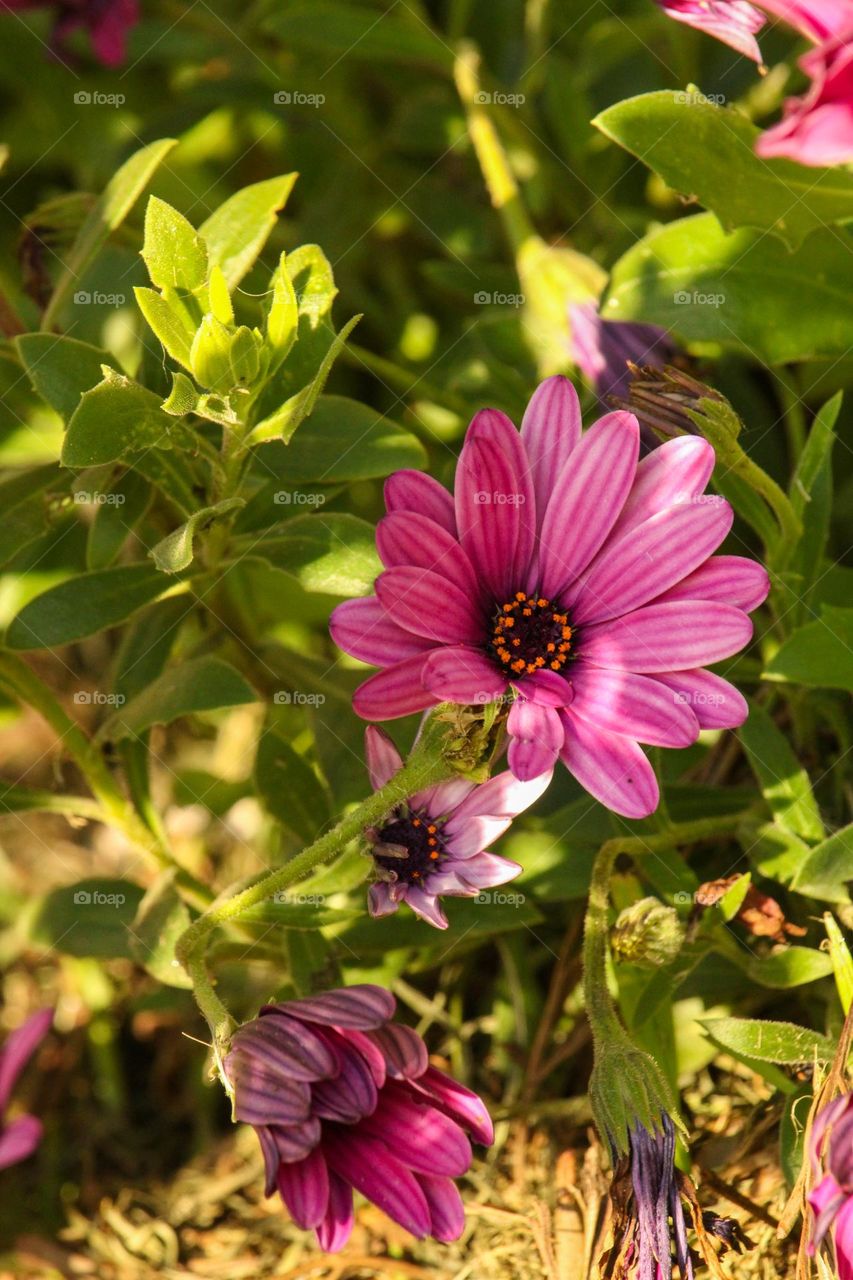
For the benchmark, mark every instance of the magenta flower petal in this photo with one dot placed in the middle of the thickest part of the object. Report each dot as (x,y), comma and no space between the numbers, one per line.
(415,491)
(715,703)
(363,628)
(406,538)
(674,473)
(432,1142)
(362,1007)
(546,688)
(285,1044)
(550,429)
(403,1049)
(266,1095)
(535,738)
(110,28)
(460,1103)
(503,796)
(336,1228)
(19,1139)
(462,674)
(843,1240)
(486,871)
(651,557)
(818,20)
(490,427)
(633,705)
(446,1210)
(730,580)
(668,637)
(817,129)
(396,691)
(304,1188)
(734,22)
(428,605)
(367,1164)
(18,1048)
(586,500)
(489,500)
(383,758)
(610,767)
(444,797)
(353,1094)
(427,906)
(601,348)
(287,1142)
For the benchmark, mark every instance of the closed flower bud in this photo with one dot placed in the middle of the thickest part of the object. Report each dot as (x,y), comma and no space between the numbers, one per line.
(648,934)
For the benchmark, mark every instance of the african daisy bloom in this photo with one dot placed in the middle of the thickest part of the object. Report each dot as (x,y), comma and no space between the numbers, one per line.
(735,22)
(19,1137)
(568,578)
(342,1098)
(817,129)
(434,845)
(831,1150)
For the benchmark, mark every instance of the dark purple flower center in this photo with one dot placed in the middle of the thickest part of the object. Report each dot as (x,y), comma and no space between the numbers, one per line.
(530,634)
(411,846)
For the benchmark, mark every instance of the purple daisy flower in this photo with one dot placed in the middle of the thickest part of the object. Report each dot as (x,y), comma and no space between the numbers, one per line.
(341,1098)
(603,349)
(831,1150)
(735,22)
(435,844)
(570,578)
(20,1137)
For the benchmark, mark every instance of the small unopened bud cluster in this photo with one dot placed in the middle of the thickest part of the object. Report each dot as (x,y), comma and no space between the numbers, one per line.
(648,934)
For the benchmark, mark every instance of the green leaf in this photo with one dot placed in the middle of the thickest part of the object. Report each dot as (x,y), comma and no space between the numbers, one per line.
(819,655)
(792,967)
(160,920)
(174,252)
(146,645)
(167,323)
(108,213)
(84,605)
(283,423)
(283,314)
(313,281)
(707,153)
(183,397)
(289,787)
(817,449)
(784,783)
(345,440)
(25,504)
(743,290)
(202,684)
(828,869)
(360,31)
(236,232)
(114,418)
(60,368)
(333,553)
(842,961)
(89,918)
(119,509)
(781,1042)
(175,551)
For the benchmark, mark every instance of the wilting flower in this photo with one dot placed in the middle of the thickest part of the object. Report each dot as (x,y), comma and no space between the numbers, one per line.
(571,578)
(341,1098)
(733,21)
(107,22)
(603,350)
(650,1219)
(435,844)
(19,1137)
(817,129)
(831,1150)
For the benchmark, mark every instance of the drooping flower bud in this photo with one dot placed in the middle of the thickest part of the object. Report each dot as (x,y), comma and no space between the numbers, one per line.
(648,934)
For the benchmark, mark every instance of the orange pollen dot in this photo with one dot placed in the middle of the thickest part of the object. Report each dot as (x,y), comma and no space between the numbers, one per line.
(543,603)
(433,856)
(555,666)
(432,828)
(416,822)
(519,595)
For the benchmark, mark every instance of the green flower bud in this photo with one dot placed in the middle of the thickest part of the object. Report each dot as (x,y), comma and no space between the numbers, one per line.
(648,934)
(627,1088)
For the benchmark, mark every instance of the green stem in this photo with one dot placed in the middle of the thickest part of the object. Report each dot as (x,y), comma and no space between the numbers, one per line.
(425,767)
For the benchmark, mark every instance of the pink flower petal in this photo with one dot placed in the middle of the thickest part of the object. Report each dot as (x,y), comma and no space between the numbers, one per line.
(730,580)
(490,427)
(368,1165)
(428,605)
(404,1051)
(363,629)
(535,735)
(427,1140)
(427,906)
(490,497)
(304,1188)
(19,1139)
(502,796)
(462,674)
(397,691)
(363,1007)
(383,758)
(550,429)
(668,637)
(446,1210)
(715,703)
(586,500)
(546,688)
(380,901)
(816,19)
(611,768)
(674,473)
(460,1103)
(407,538)
(632,705)
(486,871)
(19,1047)
(734,22)
(336,1228)
(416,491)
(641,564)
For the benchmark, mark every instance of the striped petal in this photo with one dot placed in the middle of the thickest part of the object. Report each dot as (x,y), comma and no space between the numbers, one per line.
(610,767)
(673,474)
(416,491)
(428,605)
(462,1104)
(397,691)
(715,703)
(446,1210)
(494,428)
(304,1188)
(633,705)
(403,1049)
(363,1007)
(408,538)
(363,629)
(550,429)
(535,735)
(462,674)
(367,1164)
(336,1228)
(728,579)
(426,1139)
(489,501)
(668,637)
(383,758)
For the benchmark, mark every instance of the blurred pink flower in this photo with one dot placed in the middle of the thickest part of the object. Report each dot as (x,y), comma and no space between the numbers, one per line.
(815,19)
(107,22)
(817,129)
(20,1137)
(735,22)
(831,1151)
